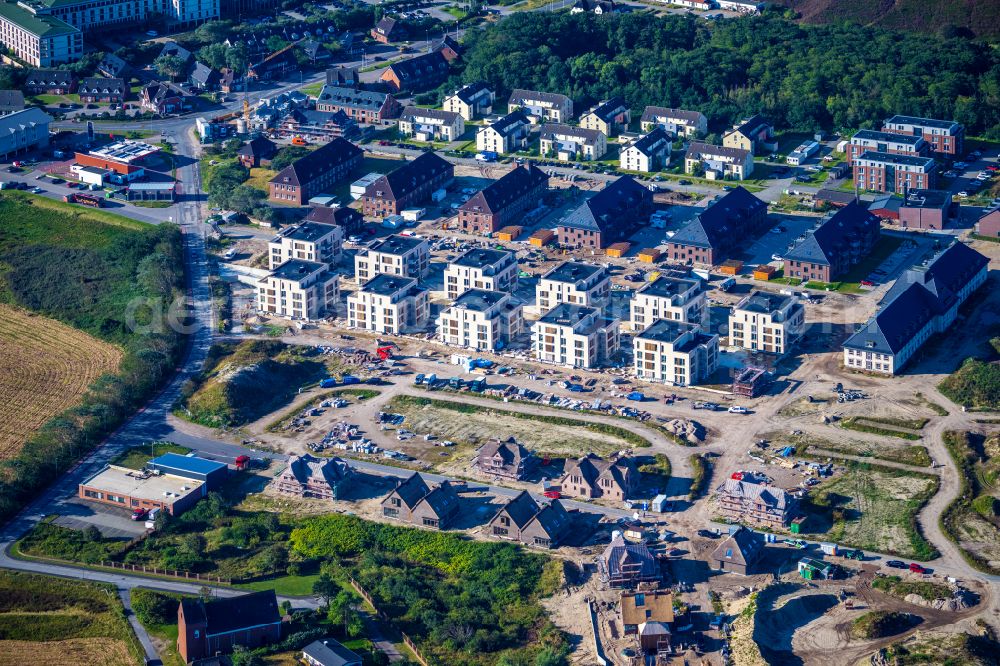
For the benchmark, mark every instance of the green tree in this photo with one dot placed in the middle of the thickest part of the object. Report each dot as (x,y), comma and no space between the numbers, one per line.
(214,55)
(238,59)
(243,656)
(169,66)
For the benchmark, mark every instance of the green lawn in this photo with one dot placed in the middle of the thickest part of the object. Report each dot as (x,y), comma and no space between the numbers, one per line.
(313,89)
(137,456)
(290,586)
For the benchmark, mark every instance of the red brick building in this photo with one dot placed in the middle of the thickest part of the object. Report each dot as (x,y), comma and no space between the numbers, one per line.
(206,628)
(389,30)
(884,172)
(829,251)
(503,201)
(314,173)
(925,209)
(946,137)
(363,106)
(717,232)
(989,224)
(410,184)
(611,215)
(885,142)
(417,74)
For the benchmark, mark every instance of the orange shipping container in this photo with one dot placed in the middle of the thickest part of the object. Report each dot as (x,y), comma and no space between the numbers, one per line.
(731,267)
(509,233)
(649,255)
(542,237)
(764,272)
(617,250)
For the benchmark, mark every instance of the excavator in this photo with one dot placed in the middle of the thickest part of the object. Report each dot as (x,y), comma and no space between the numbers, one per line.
(385,350)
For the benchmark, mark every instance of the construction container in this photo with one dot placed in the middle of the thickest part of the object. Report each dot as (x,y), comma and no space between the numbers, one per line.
(731,267)
(542,237)
(828,548)
(650,255)
(509,234)
(617,250)
(764,272)
(796,526)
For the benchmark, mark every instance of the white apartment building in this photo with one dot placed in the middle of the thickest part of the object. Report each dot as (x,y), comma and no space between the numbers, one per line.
(677,122)
(567,143)
(541,106)
(675,353)
(309,241)
(389,304)
(296,289)
(405,256)
(506,135)
(471,101)
(487,269)
(766,322)
(575,337)
(575,283)
(40,40)
(648,153)
(671,298)
(481,320)
(431,124)
(719,162)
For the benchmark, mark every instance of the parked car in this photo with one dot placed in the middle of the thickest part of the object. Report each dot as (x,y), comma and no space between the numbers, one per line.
(736,409)
(916,568)
(552,494)
(140,514)
(895,564)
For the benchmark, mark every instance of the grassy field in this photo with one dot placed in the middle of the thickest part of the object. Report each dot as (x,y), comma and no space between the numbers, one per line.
(874,508)
(313,89)
(46,620)
(471,426)
(45,367)
(137,456)
(260,178)
(244,381)
(975,385)
(111,279)
(861,424)
(971,521)
(913,454)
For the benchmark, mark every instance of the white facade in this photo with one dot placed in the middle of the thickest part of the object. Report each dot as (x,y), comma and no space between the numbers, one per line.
(41,41)
(411,260)
(462,274)
(575,284)
(309,241)
(470,106)
(647,154)
(481,320)
(389,305)
(766,323)
(431,124)
(567,143)
(298,290)
(575,337)
(675,354)
(672,299)
(504,136)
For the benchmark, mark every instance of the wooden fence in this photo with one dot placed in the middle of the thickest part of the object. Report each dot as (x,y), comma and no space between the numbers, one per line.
(172,573)
(407,641)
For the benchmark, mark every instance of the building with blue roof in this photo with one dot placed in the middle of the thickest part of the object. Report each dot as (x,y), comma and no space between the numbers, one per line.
(923,302)
(211,472)
(839,242)
(482,320)
(676,353)
(719,231)
(611,215)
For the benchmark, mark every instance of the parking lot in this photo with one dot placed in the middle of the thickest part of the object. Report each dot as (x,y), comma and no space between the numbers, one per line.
(113,522)
(783,234)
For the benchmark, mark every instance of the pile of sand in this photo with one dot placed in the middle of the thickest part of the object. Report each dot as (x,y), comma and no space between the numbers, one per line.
(690,431)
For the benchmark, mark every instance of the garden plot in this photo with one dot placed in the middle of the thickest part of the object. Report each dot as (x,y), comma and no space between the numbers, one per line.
(875,509)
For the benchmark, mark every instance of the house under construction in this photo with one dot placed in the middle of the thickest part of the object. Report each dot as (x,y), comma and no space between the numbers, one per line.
(751,382)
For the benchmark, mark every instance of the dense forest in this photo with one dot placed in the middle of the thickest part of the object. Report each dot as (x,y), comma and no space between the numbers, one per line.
(802,77)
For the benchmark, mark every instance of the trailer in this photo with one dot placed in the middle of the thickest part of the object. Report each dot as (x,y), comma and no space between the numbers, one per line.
(828,548)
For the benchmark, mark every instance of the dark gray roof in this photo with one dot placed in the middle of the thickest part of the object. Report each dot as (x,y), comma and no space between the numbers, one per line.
(479,300)
(764,302)
(306,467)
(918,198)
(412,489)
(512,122)
(396,244)
(384,284)
(721,222)
(411,112)
(875,135)
(743,547)
(549,130)
(518,96)
(834,235)
(247,610)
(11,100)
(312,165)
(668,287)
(609,206)
(260,146)
(482,257)
(442,499)
(50,77)
(467,92)
(573,272)
(307,231)
(203,75)
(655,141)
(398,183)
(328,652)
(175,49)
(908,160)
(607,109)
(427,66)
(521,509)
(100,85)
(916,298)
(341,216)
(697,148)
(653,112)
(567,314)
(751,124)
(296,269)
(923,122)
(352,97)
(666,330)
(621,556)
(507,190)
(835,196)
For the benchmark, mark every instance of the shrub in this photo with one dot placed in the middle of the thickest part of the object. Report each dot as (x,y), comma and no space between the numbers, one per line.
(985,506)
(152,607)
